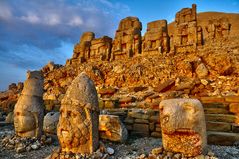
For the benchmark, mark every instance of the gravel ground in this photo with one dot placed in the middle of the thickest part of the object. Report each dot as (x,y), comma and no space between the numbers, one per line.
(131,149)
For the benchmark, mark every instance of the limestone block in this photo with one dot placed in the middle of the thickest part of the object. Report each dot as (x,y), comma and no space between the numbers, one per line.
(216,111)
(218,126)
(29,111)
(222,138)
(183,126)
(156,134)
(228,118)
(141,127)
(232,99)
(234,108)
(111,128)
(77,129)
(50,122)
(212,99)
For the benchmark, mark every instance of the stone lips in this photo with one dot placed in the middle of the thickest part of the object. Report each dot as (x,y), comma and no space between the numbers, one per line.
(29,111)
(77,129)
(183,126)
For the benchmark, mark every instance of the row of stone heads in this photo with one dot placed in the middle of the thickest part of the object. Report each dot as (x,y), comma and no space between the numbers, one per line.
(182,120)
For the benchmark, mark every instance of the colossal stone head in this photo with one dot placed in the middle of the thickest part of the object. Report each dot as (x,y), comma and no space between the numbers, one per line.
(77,129)
(183,126)
(28,111)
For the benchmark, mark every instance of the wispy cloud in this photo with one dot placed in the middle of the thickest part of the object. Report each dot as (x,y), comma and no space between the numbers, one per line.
(34,32)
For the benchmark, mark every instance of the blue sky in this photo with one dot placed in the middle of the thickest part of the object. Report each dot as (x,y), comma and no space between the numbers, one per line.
(37,31)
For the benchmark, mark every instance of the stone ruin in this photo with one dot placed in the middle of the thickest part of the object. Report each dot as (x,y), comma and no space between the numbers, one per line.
(187,35)
(77,129)
(82,49)
(218,28)
(156,39)
(89,49)
(183,126)
(29,110)
(127,42)
(100,49)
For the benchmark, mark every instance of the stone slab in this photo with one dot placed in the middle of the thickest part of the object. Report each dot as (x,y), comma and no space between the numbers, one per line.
(222,138)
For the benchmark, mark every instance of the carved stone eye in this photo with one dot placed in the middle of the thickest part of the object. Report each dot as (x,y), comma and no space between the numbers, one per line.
(165,119)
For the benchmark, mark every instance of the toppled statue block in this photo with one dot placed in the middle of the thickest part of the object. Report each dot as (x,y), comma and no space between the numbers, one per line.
(82,49)
(77,129)
(156,38)
(111,128)
(29,111)
(183,126)
(127,40)
(101,49)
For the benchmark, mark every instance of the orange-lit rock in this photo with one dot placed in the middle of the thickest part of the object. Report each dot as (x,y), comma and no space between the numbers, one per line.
(111,128)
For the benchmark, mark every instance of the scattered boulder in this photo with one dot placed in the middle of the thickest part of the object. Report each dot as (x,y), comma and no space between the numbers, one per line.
(111,128)
(50,122)
(201,70)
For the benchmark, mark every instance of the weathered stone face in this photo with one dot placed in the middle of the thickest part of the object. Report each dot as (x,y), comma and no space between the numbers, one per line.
(156,38)
(127,40)
(183,126)
(77,129)
(28,112)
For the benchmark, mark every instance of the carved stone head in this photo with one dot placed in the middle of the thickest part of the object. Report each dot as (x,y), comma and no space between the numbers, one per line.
(183,126)
(28,112)
(77,129)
